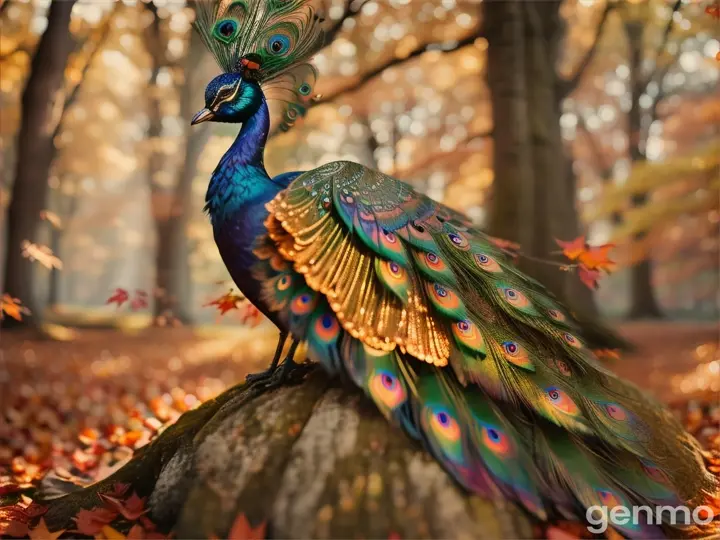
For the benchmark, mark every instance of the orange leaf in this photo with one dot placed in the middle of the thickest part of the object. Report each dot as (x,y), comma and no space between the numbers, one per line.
(610,354)
(12,307)
(574,248)
(41,532)
(588,277)
(119,297)
(227,302)
(713,11)
(91,522)
(596,258)
(242,530)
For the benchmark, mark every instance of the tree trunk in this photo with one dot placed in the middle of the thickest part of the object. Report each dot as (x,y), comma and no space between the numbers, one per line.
(314,460)
(533,192)
(173,276)
(35,154)
(643,303)
(513,187)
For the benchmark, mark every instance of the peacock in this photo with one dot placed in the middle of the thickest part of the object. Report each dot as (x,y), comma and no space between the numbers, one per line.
(406,299)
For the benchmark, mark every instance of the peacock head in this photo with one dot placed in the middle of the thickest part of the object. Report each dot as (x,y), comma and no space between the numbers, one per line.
(229,98)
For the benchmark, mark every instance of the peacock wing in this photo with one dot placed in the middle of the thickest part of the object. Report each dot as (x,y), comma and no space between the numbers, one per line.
(434,322)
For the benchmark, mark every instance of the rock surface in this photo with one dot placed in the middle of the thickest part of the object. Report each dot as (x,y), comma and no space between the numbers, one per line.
(312,460)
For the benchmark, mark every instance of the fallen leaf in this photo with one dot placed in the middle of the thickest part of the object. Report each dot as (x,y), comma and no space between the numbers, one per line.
(597,258)
(574,248)
(12,307)
(112,534)
(242,530)
(41,532)
(131,509)
(589,277)
(91,522)
(119,297)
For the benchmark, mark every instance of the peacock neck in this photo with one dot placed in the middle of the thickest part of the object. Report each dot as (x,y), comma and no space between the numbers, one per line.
(240,178)
(249,146)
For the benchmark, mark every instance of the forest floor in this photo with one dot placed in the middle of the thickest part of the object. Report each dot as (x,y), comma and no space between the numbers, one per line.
(80,405)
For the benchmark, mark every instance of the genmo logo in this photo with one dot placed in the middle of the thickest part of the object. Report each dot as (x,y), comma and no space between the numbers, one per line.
(600,517)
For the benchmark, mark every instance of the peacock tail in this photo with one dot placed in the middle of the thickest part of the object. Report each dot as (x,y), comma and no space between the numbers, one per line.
(410,302)
(270,41)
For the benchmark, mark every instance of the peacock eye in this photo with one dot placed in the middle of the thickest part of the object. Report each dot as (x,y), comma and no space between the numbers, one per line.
(305,89)
(279,44)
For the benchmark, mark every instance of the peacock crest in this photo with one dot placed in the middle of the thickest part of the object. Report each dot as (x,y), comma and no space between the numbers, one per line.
(268,41)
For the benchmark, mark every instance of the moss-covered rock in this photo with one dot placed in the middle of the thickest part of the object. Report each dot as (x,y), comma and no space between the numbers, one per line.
(312,460)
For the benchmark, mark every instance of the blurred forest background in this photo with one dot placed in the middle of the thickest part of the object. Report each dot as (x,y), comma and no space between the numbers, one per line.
(540,120)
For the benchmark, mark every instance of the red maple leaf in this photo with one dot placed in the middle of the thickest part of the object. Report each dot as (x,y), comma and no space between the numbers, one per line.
(119,297)
(227,302)
(130,509)
(574,248)
(596,258)
(91,522)
(589,277)
(242,530)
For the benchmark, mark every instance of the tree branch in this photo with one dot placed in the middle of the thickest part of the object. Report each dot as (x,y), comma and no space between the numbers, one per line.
(445,47)
(605,168)
(566,87)
(104,32)
(352,8)
(659,73)
(439,156)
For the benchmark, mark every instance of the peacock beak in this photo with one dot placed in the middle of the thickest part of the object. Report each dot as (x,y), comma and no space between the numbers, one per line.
(203,116)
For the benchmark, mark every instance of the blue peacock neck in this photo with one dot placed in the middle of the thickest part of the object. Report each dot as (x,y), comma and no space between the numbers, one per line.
(240,177)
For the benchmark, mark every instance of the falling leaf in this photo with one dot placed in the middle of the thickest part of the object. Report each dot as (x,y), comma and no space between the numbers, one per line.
(251,314)
(130,509)
(608,354)
(91,522)
(41,254)
(227,302)
(12,307)
(139,301)
(596,258)
(589,277)
(52,218)
(242,530)
(41,532)
(713,11)
(574,248)
(119,297)
(503,244)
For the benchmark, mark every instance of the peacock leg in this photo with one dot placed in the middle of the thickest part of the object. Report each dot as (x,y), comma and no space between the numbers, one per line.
(288,371)
(264,375)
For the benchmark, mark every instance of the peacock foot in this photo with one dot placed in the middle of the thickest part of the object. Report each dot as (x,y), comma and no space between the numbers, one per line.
(261,376)
(288,373)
